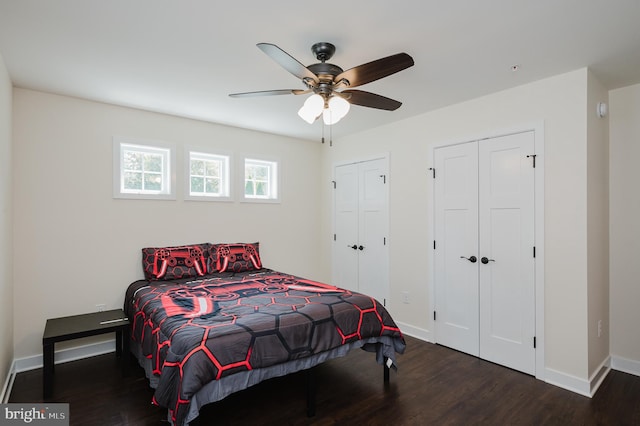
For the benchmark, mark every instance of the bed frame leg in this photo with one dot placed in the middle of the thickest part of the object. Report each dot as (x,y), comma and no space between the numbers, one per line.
(311,392)
(386,370)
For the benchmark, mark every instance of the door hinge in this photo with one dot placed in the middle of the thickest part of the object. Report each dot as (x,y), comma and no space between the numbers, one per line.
(384,302)
(434,244)
(534,342)
(384,241)
(434,315)
(534,159)
(334,237)
(384,178)
(434,171)
(334,184)
(534,252)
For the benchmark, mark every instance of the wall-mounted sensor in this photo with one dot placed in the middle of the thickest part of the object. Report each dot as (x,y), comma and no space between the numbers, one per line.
(601,109)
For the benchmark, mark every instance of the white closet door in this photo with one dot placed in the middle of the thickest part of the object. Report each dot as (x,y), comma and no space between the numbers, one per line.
(507,285)
(361,228)
(484,207)
(345,257)
(372,229)
(456,233)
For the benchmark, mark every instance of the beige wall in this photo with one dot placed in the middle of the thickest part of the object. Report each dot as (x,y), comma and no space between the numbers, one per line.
(560,103)
(6,249)
(75,246)
(624,213)
(597,225)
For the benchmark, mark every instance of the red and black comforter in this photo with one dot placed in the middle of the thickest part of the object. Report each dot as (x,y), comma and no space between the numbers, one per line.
(198,331)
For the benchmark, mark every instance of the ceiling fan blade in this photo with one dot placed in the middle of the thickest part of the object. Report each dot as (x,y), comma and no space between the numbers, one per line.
(270,93)
(371,71)
(371,100)
(287,61)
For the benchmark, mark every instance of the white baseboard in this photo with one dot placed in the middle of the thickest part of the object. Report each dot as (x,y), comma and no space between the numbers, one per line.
(66,355)
(8,384)
(625,365)
(568,382)
(413,331)
(577,385)
(598,377)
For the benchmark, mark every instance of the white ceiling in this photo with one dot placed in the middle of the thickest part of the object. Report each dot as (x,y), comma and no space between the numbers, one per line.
(185,57)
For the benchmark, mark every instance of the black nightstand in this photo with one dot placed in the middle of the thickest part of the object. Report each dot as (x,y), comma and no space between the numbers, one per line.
(77,326)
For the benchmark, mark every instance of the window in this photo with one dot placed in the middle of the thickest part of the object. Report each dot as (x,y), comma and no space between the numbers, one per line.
(208,176)
(142,170)
(260,180)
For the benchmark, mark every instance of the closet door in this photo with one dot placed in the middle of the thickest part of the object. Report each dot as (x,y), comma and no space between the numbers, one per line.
(372,230)
(346,217)
(484,257)
(507,285)
(456,254)
(360,254)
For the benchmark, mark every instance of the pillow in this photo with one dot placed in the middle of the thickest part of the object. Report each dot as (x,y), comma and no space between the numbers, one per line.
(236,257)
(169,263)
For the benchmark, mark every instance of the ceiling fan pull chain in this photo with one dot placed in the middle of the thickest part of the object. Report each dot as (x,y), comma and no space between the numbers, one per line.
(330,134)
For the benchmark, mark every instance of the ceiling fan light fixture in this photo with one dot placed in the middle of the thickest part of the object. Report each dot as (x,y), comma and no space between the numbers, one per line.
(336,109)
(312,108)
(306,115)
(338,106)
(329,118)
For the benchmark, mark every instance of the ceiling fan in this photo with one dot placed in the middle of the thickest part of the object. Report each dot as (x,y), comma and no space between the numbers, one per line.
(331,85)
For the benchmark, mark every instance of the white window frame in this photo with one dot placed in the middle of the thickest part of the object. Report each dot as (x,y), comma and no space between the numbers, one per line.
(166,149)
(205,154)
(275,174)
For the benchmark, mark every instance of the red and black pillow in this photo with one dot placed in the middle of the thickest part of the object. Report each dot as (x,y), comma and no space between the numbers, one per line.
(168,263)
(237,257)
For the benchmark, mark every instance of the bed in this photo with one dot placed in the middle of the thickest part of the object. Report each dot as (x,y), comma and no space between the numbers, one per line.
(209,320)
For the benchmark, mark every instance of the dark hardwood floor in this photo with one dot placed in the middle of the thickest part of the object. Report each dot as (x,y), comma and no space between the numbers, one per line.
(433,386)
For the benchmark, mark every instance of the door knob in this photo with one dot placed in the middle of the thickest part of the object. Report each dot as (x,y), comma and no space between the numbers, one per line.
(471,259)
(360,248)
(355,247)
(485,260)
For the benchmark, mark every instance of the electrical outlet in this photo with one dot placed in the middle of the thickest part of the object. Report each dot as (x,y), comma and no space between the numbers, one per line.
(405,297)
(101,307)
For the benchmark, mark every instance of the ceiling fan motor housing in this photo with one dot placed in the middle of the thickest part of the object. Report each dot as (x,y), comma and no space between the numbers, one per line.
(325,71)
(323,51)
